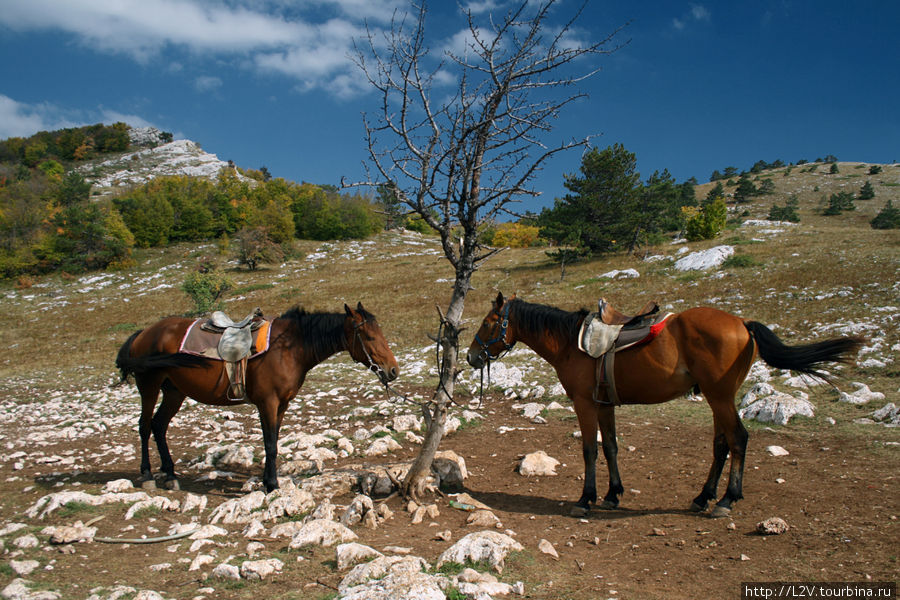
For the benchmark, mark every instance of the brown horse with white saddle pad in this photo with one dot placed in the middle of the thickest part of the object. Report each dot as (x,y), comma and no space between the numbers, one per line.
(279,355)
(699,348)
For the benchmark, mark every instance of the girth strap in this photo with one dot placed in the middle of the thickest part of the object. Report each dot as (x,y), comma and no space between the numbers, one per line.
(604,376)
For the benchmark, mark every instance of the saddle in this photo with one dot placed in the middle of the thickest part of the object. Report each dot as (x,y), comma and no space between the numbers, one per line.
(608,331)
(235,343)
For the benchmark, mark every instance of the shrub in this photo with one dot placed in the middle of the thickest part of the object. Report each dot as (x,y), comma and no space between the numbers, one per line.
(706,223)
(874,169)
(740,261)
(515,235)
(206,289)
(838,203)
(253,246)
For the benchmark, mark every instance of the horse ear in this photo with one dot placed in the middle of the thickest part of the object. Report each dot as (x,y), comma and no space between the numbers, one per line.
(359,307)
(499,299)
(347,309)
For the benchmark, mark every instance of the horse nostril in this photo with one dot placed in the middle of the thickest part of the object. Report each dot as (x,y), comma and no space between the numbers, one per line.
(393,372)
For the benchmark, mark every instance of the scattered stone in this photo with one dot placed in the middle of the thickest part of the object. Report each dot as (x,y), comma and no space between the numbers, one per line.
(353,553)
(200,561)
(359,506)
(117,485)
(766,405)
(238,510)
(547,548)
(18,590)
(658,532)
(483,518)
(704,259)
(772,526)
(257,570)
(321,532)
(382,445)
(66,534)
(226,571)
(777,451)
(861,395)
(406,423)
(397,550)
(538,464)
(23,567)
(26,541)
(381,566)
(489,546)
(445,535)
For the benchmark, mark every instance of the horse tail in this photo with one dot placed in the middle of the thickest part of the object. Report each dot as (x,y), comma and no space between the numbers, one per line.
(805,358)
(137,365)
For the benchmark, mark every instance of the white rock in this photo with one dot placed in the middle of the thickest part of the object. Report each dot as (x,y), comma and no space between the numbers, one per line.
(256,570)
(118,485)
(777,451)
(359,506)
(704,259)
(861,395)
(401,586)
(489,546)
(160,502)
(406,423)
(237,457)
(207,531)
(766,405)
(889,414)
(200,561)
(70,534)
(621,274)
(382,445)
(381,566)
(193,501)
(538,464)
(26,541)
(23,567)
(321,532)
(352,553)
(238,510)
(548,548)
(18,590)
(226,571)
(772,526)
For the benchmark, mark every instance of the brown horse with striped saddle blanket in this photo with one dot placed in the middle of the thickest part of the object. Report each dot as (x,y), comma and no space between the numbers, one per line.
(700,348)
(298,341)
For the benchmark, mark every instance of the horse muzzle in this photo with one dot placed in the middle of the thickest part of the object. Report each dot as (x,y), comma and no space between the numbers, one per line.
(475,357)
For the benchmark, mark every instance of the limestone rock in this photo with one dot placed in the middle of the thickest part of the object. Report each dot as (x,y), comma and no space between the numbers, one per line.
(256,570)
(352,553)
(489,546)
(321,532)
(547,548)
(538,464)
(772,526)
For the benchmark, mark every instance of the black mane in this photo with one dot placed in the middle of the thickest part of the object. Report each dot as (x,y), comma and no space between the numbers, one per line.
(538,318)
(321,333)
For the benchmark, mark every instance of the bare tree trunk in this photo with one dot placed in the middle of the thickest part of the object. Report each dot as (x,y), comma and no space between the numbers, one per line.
(435,412)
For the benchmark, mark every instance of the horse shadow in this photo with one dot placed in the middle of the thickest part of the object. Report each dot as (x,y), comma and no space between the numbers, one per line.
(537,505)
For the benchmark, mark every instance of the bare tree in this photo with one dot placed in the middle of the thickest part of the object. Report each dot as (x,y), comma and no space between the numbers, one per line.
(460,154)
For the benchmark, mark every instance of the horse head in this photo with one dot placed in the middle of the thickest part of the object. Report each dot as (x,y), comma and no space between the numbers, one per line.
(492,339)
(366,343)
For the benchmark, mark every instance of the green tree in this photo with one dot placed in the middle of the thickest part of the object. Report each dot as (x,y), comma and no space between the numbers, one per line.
(874,169)
(745,189)
(887,218)
(834,168)
(839,202)
(867,192)
(604,199)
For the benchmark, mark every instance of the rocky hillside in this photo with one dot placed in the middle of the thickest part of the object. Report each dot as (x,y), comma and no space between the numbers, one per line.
(152,158)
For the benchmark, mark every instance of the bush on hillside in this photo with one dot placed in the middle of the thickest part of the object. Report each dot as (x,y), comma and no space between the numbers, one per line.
(839,202)
(707,222)
(206,288)
(866,192)
(887,218)
(512,235)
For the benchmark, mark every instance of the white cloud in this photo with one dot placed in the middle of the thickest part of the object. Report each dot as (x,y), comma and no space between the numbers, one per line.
(207,83)
(310,40)
(18,119)
(697,13)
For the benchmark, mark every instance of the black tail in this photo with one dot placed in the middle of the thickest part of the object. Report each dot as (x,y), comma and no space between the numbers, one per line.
(136,365)
(807,358)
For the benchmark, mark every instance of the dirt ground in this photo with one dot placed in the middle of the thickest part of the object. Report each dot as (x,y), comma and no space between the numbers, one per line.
(838,492)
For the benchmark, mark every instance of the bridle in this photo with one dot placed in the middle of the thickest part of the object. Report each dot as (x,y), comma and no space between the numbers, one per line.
(373,366)
(503,321)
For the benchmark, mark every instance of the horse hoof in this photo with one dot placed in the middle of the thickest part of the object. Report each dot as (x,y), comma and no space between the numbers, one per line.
(148,484)
(719,511)
(608,505)
(579,511)
(171,484)
(697,508)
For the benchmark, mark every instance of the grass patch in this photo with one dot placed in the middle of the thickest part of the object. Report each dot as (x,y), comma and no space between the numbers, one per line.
(147,512)
(252,288)
(122,328)
(739,261)
(75,507)
(6,570)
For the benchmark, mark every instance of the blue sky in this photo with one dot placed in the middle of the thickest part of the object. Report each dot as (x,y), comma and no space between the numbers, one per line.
(699,86)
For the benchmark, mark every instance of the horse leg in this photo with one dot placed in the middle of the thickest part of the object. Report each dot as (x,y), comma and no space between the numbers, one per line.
(736,436)
(171,403)
(587,422)
(149,391)
(720,453)
(270,421)
(607,421)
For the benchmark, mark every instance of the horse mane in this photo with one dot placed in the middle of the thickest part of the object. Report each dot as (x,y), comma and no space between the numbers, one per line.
(321,333)
(538,318)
